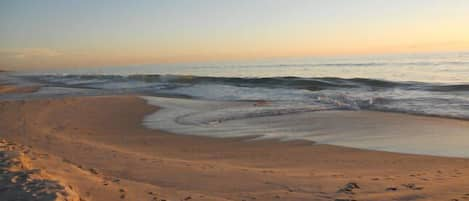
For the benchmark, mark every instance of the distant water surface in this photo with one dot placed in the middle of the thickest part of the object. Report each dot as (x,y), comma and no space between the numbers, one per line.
(432,68)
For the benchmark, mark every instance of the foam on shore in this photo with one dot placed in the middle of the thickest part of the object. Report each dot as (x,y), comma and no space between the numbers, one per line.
(381,131)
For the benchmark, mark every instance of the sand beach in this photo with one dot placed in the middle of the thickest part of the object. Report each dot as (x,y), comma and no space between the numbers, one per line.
(97,149)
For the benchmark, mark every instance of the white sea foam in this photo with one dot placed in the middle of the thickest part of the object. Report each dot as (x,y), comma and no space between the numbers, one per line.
(358,129)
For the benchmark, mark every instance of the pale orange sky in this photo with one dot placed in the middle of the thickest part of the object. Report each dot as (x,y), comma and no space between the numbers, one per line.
(51,34)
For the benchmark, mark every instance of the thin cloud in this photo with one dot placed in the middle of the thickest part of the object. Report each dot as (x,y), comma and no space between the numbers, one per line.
(24,53)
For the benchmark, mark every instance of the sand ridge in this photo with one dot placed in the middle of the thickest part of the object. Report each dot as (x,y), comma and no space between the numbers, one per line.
(20,181)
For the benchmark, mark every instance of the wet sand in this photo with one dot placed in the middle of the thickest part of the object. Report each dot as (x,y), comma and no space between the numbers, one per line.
(362,129)
(98,147)
(10,89)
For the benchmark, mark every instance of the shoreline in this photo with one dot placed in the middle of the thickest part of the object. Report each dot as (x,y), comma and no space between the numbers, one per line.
(104,134)
(362,129)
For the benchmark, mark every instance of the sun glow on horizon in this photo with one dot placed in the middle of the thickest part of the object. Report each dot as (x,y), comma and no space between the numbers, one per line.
(51,34)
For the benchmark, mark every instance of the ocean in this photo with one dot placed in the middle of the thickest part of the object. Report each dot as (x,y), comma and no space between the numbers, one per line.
(424,84)
(217,99)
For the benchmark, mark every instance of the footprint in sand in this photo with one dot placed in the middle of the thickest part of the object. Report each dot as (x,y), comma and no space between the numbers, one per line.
(349,188)
(122,191)
(412,186)
(391,189)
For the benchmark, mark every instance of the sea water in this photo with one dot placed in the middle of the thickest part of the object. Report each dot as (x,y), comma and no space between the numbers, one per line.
(221,97)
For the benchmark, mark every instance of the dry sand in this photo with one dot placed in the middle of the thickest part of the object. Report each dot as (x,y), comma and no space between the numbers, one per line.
(97,147)
(20,181)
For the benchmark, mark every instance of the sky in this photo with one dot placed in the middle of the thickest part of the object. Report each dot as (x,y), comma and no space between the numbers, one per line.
(70,33)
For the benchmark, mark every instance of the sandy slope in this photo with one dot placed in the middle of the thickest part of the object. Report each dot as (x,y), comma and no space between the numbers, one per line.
(98,147)
(9,89)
